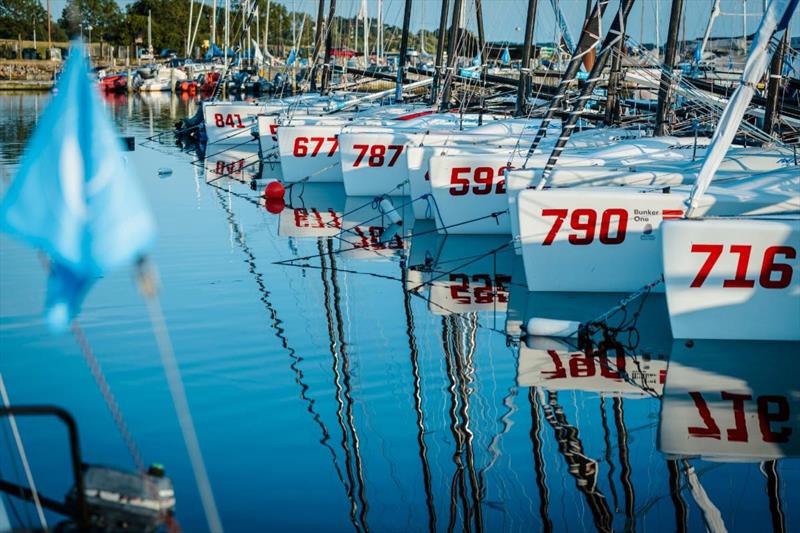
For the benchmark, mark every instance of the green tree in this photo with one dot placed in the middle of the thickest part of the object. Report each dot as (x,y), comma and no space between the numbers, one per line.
(170,19)
(19,17)
(104,16)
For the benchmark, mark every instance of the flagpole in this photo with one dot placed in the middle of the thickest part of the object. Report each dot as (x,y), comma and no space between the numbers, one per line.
(147,280)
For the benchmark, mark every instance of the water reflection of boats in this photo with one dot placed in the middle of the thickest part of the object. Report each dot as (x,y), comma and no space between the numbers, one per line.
(731,401)
(373,228)
(237,165)
(312,210)
(471,273)
(543,363)
(424,245)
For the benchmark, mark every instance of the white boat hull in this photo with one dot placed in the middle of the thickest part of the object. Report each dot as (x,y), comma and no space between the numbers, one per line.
(733,278)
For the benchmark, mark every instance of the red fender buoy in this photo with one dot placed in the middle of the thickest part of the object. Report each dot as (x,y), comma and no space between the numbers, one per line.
(274,190)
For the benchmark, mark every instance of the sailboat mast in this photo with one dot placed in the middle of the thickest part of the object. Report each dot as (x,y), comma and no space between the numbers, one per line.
(213,25)
(327,65)
(317,43)
(774,85)
(665,88)
(524,72)
(612,100)
(366,32)
(248,8)
(658,29)
(715,12)
(452,53)
(422,29)
(189,29)
(438,67)
(227,30)
(481,35)
(266,32)
(379,45)
(149,35)
(401,64)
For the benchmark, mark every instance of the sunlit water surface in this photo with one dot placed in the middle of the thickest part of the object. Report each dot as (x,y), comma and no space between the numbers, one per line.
(326,397)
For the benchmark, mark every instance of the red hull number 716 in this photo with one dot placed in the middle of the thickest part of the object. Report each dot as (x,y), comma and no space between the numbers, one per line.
(769,268)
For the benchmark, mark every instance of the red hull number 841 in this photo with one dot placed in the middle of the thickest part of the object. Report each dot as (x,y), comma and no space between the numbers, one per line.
(222,121)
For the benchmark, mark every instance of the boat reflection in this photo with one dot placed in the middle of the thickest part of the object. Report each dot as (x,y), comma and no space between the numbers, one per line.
(312,210)
(546,363)
(240,165)
(471,273)
(374,228)
(731,401)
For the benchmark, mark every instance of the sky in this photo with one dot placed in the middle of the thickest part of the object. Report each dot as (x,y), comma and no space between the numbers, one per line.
(505,19)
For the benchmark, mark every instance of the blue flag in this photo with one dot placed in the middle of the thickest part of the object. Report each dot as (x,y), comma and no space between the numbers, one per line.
(506,57)
(698,56)
(292,56)
(74,197)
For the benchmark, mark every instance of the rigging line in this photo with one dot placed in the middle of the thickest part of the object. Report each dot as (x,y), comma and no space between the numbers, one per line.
(28,520)
(12,421)
(347,388)
(338,387)
(685,87)
(373,201)
(7,495)
(418,409)
(538,460)
(108,396)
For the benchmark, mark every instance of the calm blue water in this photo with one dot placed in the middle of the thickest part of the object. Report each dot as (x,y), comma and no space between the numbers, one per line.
(327,397)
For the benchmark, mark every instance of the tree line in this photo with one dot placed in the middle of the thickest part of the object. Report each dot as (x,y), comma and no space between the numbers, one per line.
(112,25)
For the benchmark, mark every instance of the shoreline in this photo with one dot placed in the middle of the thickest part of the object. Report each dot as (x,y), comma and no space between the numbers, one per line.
(25,85)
